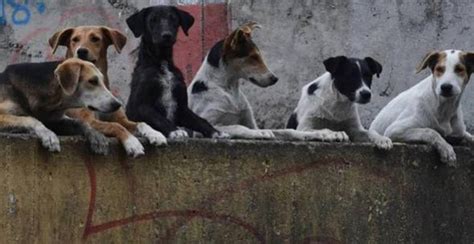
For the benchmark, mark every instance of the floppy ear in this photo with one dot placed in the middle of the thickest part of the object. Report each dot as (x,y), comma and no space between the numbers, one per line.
(333,64)
(186,20)
(374,66)
(136,22)
(430,60)
(249,27)
(115,37)
(469,62)
(68,75)
(60,38)
(238,37)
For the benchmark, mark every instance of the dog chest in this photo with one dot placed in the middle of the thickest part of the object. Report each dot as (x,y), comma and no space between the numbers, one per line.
(167,100)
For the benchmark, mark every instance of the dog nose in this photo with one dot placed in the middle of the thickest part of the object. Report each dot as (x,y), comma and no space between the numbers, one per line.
(365,95)
(166,36)
(82,53)
(274,79)
(446,88)
(115,106)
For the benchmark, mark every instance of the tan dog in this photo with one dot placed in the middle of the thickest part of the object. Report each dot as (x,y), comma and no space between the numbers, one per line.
(35,96)
(91,43)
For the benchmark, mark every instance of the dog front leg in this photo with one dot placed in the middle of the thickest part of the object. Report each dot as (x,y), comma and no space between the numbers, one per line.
(459,129)
(324,135)
(248,119)
(363,135)
(424,135)
(242,132)
(49,140)
(150,116)
(190,120)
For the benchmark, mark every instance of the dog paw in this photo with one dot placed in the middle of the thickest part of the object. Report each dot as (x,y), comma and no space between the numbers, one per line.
(98,143)
(383,143)
(333,136)
(133,147)
(154,137)
(448,156)
(265,135)
(220,135)
(49,140)
(178,134)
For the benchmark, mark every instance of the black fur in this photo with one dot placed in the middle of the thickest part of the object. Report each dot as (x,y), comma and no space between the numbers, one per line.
(292,122)
(199,86)
(215,55)
(154,59)
(347,75)
(312,88)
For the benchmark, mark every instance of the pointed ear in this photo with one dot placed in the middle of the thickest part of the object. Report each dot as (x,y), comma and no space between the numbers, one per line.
(430,60)
(115,37)
(136,22)
(333,64)
(374,66)
(60,38)
(249,27)
(186,20)
(68,74)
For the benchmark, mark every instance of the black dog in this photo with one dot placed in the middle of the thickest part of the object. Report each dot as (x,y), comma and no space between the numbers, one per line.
(158,92)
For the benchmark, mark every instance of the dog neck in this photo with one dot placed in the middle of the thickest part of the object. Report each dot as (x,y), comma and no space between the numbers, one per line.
(221,76)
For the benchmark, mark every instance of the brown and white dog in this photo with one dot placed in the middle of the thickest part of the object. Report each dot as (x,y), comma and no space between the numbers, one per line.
(90,43)
(430,112)
(35,96)
(215,94)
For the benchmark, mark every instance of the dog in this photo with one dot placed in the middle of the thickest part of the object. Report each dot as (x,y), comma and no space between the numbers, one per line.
(332,99)
(215,93)
(90,43)
(35,96)
(430,112)
(158,92)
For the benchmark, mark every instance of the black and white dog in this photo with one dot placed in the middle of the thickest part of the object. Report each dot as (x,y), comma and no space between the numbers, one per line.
(330,102)
(430,111)
(158,92)
(215,92)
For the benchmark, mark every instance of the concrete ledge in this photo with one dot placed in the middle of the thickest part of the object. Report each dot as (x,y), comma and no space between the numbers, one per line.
(202,191)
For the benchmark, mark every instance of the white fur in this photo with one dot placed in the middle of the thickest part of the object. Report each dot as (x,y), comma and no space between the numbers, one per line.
(226,107)
(421,114)
(178,134)
(328,108)
(154,137)
(167,96)
(133,147)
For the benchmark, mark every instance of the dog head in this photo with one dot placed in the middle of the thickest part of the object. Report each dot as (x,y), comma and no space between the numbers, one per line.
(159,25)
(353,77)
(244,58)
(82,81)
(451,71)
(88,43)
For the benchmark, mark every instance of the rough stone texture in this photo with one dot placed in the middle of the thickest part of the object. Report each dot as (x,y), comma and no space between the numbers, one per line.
(234,192)
(298,35)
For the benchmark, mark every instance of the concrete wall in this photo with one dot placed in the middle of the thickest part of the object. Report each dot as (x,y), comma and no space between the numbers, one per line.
(234,192)
(26,28)
(298,35)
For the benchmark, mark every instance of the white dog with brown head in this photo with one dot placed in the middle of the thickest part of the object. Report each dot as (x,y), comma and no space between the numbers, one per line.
(431,111)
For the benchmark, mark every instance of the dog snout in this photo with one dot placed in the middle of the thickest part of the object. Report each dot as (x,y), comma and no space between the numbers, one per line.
(82,53)
(365,96)
(166,36)
(115,105)
(446,90)
(274,79)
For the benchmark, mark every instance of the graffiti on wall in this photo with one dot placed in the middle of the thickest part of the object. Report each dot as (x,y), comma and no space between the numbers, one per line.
(21,11)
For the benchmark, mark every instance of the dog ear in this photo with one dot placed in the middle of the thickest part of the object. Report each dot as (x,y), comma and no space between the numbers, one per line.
(68,74)
(249,27)
(374,66)
(186,20)
(333,64)
(60,38)
(430,60)
(115,37)
(136,22)
(469,61)
(238,38)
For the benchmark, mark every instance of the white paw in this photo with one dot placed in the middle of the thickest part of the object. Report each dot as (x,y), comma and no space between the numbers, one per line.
(333,136)
(153,136)
(133,147)
(383,143)
(220,135)
(178,134)
(448,156)
(265,134)
(49,140)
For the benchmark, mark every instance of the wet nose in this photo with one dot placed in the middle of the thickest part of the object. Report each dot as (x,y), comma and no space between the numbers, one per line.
(115,106)
(446,88)
(365,95)
(82,53)
(166,36)
(274,79)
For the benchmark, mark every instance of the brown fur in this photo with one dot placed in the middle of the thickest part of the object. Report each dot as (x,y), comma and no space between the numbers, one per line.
(96,39)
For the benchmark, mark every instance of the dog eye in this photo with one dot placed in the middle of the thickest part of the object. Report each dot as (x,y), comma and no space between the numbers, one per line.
(95,39)
(459,69)
(440,69)
(75,39)
(94,81)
